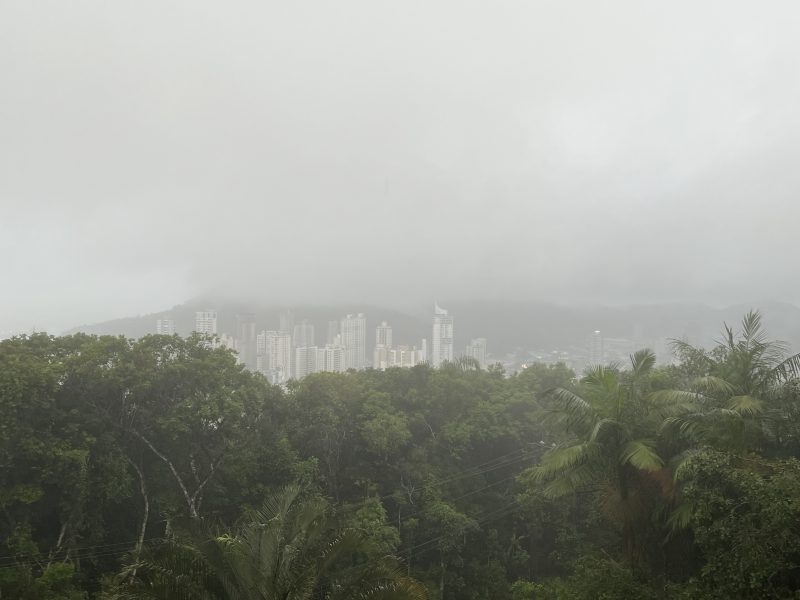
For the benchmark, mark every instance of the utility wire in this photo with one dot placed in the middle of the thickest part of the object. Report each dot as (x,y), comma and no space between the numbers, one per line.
(481,520)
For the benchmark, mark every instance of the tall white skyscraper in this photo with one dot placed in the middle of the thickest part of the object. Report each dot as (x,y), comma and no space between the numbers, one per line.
(165,327)
(477,350)
(354,340)
(442,340)
(205,321)
(596,350)
(274,355)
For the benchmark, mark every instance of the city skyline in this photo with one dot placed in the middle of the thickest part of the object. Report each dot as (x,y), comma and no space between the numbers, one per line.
(519,334)
(280,356)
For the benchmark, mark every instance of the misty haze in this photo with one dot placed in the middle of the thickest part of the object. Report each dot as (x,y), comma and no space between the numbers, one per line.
(442,300)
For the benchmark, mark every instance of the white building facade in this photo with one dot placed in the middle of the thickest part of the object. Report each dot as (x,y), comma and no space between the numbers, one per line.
(205,322)
(354,340)
(442,339)
(477,350)
(165,327)
(274,356)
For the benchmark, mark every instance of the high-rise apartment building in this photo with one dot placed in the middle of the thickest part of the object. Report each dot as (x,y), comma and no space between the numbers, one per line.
(403,356)
(205,322)
(330,358)
(274,355)
(596,354)
(383,335)
(354,340)
(303,334)
(442,339)
(246,339)
(305,361)
(383,345)
(165,327)
(477,350)
(381,357)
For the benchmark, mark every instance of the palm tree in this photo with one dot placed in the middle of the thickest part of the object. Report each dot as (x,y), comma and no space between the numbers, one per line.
(287,550)
(735,404)
(612,443)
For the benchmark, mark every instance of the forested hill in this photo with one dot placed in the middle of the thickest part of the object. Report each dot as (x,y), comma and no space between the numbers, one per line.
(507,325)
(160,468)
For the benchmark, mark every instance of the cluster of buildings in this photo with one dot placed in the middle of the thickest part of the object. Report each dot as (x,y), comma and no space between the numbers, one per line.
(597,350)
(293,350)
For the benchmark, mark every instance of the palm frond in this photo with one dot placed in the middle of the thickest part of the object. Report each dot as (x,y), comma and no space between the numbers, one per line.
(711,384)
(680,462)
(380,580)
(786,370)
(571,481)
(576,412)
(746,405)
(403,588)
(680,517)
(685,351)
(641,454)
(753,334)
(673,402)
(602,378)
(561,459)
(604,428)
(642,362)
(693,425)
(729,341)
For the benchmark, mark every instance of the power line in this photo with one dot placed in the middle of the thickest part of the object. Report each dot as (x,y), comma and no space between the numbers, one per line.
(81,551)
(482,520)
(469,472)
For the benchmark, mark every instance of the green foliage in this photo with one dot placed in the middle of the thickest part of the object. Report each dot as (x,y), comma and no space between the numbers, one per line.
(735,401)
(136,467)
(370,521)
(56,582)
(745,519)
(525,590)
(287,549)
(610,447)
(594,578)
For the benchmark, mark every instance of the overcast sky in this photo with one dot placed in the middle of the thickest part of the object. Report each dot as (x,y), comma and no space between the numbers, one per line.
(616,152)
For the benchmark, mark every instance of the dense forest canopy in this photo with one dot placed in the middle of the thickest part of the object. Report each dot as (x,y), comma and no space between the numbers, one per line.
(160,468)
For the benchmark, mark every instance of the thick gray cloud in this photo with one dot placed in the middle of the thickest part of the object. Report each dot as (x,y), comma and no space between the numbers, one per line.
(392,152)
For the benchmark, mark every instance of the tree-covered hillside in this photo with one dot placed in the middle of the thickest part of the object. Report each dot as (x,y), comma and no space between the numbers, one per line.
(160,468)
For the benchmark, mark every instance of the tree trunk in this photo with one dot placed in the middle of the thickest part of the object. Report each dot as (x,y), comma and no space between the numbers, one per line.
(193,501)
(146,509)
(441,577)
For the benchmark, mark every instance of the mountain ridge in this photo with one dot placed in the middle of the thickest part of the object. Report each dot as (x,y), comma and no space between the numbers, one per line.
(509,326)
